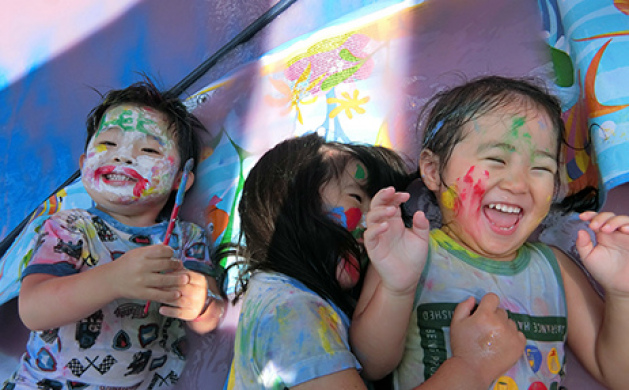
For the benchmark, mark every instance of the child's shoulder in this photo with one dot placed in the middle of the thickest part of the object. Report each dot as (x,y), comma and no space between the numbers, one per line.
(70,216)
(278,288)
(274,295)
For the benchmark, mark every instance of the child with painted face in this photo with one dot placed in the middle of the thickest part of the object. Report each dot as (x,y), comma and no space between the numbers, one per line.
(301,216)
(491,156)
(92,272)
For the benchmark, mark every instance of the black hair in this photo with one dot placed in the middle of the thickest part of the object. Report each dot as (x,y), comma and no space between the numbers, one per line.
(183,125)
(446,113)
(283,221)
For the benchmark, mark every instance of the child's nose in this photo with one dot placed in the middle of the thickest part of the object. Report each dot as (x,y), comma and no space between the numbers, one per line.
(515,180)
(123,159)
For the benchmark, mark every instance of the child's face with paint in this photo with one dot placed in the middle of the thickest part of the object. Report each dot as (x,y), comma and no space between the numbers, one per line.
(499,182)
(346,202)
(131,160)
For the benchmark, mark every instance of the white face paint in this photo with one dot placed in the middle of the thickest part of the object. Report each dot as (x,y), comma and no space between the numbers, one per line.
(131,158)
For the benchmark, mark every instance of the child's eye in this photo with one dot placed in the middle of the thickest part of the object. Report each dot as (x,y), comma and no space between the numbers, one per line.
(107,143)
(496,159)
(544,169)
(151,151)
(357,197)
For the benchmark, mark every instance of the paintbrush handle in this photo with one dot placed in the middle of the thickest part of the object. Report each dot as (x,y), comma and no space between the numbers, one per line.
(181,190)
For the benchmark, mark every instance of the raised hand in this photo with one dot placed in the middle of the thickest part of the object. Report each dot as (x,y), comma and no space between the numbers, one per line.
(148,273)
(607,259)
(487,340)
(397,253)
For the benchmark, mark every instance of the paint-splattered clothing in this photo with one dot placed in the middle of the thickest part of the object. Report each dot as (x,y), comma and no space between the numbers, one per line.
(530,289)
(287,335)
(117,346)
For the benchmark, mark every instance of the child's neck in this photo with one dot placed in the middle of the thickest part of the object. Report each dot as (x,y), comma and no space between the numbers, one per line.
(135,220)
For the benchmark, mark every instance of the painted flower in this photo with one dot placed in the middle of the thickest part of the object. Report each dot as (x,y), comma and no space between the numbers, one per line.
(348,104)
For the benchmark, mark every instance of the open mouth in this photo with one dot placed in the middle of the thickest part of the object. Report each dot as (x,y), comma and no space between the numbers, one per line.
(502,217)
(117,178)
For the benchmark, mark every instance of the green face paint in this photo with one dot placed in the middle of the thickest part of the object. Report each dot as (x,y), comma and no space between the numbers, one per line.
(128,118)
(516,124)
(360,172)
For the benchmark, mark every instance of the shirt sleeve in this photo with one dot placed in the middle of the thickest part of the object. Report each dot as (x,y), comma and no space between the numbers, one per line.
(301,339)
(58,251)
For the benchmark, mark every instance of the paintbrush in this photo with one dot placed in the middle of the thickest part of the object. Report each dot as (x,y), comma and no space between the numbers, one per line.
(175,213)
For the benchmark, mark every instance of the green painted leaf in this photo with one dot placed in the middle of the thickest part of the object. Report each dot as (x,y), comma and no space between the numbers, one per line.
(339,77)
(348,56)
(564,70)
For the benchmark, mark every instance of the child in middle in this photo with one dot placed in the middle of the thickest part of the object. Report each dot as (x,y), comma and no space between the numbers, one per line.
(301,216)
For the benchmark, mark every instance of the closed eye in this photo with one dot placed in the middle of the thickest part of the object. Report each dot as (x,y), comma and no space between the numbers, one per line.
(151,151)
(544,169)
(357,197)
(107,143)
(496,159)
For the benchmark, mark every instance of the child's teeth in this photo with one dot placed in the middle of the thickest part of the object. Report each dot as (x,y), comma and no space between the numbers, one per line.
(505,208)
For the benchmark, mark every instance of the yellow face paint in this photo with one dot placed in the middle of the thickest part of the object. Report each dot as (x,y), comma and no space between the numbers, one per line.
(448,197)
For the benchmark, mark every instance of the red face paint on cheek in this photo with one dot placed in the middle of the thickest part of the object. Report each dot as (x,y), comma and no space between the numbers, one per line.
(353,217)
(470,192)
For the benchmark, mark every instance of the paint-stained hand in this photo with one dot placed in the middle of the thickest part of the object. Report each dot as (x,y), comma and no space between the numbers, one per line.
(607,259)
(485,338)
(396,252)
(147,273)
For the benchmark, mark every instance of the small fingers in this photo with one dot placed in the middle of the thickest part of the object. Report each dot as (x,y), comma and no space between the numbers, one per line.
(156,251)
(420,221)
(463,309)
(166,280)
(489,302)
(380,214)
(389,197)
(606,221)
(165,265)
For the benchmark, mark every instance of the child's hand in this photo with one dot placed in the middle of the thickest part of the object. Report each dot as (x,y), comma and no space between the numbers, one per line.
(191,302)
(396,252)
(148,273)
(608,260)
(487,340)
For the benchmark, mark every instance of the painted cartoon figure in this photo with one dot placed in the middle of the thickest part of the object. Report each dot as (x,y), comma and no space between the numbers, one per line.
(300,213)
(491,156)
(94,270)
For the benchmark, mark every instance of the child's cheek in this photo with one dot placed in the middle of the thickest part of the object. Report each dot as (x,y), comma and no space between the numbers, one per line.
(160,175)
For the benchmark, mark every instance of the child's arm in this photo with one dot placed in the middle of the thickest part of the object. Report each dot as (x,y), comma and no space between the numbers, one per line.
(597,330)
(201,310)
(397,257)
(48,301)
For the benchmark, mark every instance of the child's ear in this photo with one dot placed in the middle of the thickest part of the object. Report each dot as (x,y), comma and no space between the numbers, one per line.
(178,180)
(429,169)
(190,181)
(81,161)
